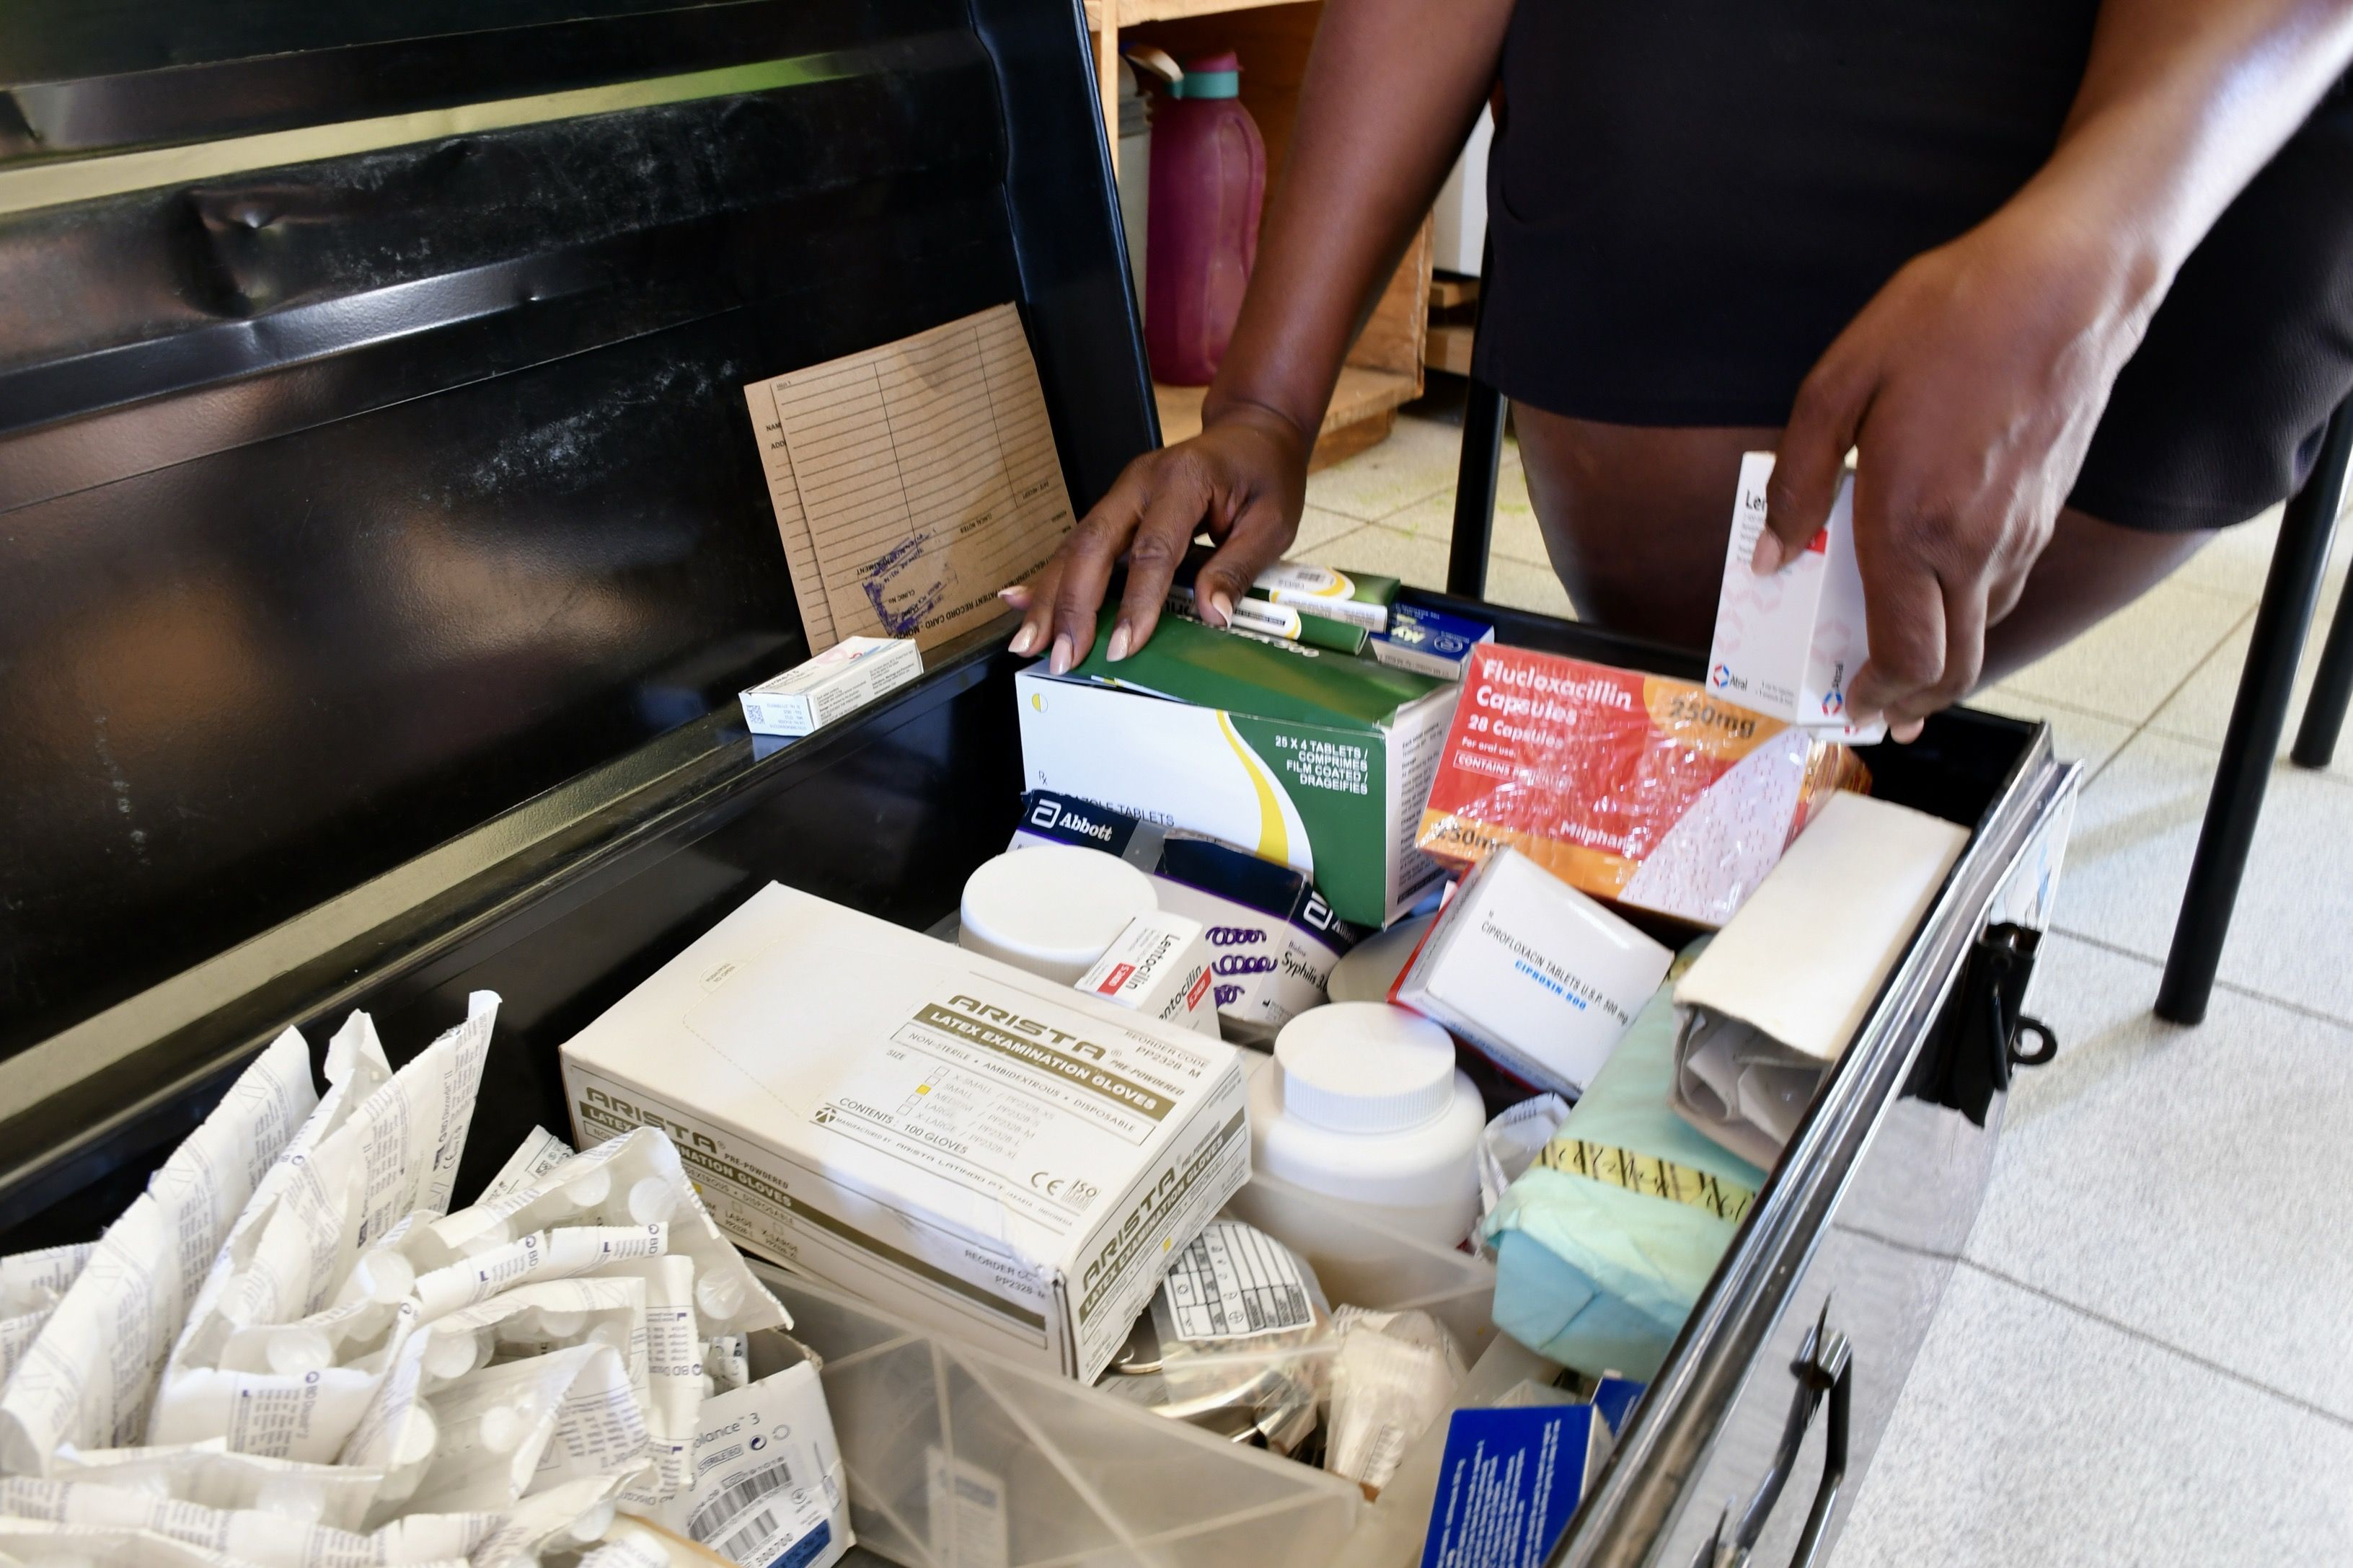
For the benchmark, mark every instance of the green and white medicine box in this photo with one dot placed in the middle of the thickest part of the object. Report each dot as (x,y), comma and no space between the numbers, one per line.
(1296,754)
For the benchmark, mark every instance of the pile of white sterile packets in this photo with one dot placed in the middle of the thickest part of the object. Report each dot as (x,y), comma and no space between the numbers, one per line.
(289,1351)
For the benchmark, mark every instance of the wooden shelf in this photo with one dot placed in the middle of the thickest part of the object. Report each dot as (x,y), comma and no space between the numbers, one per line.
(1448,348)
(1131,12)
(1449,291)
(1363,405)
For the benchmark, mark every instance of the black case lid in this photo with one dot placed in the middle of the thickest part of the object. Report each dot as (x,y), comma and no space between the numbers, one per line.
(373,451)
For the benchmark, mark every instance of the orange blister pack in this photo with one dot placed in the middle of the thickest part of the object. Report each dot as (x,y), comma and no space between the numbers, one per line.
(1624,786)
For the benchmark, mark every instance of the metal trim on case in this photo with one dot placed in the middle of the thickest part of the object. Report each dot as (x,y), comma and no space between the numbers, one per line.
(1627,1519)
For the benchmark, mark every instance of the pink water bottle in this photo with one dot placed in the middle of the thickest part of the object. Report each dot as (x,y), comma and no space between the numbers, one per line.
(1209,178)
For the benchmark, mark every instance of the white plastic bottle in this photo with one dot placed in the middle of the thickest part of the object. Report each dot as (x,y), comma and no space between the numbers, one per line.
(1364,1106)
(1051,909)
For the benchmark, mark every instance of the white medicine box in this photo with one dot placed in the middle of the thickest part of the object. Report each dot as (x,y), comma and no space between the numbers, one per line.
(1786,645)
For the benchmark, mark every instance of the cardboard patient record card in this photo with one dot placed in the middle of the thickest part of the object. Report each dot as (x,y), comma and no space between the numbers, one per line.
(914,480)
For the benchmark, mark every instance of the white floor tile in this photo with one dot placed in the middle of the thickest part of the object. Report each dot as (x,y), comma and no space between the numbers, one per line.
(2082,738)
(2193,1155)
(1421,457)
(2240,559)
(2137,829)
(2032,1435)
(2235,566)
(1515,536)
(2128,665)
(1318,528)
(1420,562)
(2200,710)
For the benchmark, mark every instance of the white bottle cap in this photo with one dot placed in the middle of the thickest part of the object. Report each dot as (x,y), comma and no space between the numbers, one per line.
(558,1324)
(384,1276)
(719,1295)
(417,1436)
(299,1349)
(1364,1067)
(589,1190)
(1052,909)
(652,1200)
(453,1355)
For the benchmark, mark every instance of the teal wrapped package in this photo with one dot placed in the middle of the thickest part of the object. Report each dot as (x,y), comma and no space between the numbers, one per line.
(1604,1244)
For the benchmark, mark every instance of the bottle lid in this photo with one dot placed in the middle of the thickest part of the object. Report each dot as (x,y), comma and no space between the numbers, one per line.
(1211,76)
(1053,908)
(1364,1067)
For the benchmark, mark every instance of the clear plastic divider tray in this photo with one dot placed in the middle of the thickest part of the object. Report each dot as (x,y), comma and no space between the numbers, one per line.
(957,1459)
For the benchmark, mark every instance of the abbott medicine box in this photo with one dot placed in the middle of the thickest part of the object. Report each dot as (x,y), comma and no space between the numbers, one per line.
(962,1143)
(1312,759)
(1786,645)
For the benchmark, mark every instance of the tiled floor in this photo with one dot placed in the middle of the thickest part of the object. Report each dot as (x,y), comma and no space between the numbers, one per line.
(2146,1356)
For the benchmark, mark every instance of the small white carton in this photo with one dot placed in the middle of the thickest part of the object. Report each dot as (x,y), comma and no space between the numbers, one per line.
(961,1142)
(1786,645)
(842,679)
(1537,977)
(1160,966)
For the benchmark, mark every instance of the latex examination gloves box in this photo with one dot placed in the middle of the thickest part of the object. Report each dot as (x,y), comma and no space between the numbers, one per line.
(959,1141)
(1294,753)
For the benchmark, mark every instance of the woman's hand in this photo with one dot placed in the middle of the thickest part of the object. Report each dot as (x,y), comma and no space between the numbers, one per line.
(1244,478)
(1970,387)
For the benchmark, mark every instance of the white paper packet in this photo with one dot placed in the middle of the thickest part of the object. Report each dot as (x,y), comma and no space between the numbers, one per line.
(724,1362)
(631,1546)
(397,1432)
(564,1253)
(672,1362)
(89,1375)
(89,1546)
(265,1539)
(539,1153)
(209,1475)
(395,1152)
(572,1514)
(632,1179)
(498,1429)
(31,1285)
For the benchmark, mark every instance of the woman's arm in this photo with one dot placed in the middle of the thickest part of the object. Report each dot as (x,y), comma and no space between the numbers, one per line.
(1972,383)
(1390,90)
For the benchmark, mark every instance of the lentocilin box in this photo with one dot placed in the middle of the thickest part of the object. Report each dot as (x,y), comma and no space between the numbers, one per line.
(842,679)
(1628,786)
(1309,757)
(1160,966)
(1273,939)
(959,1141)
(1786,645)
